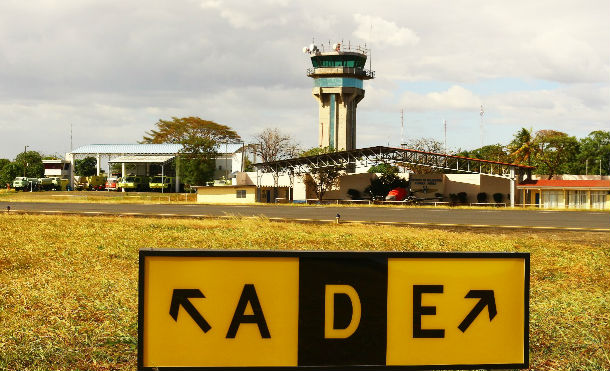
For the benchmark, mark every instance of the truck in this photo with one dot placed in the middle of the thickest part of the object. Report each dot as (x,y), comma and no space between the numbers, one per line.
(133,183)
(90,183)
(165,183)
(25,184)
(112,184)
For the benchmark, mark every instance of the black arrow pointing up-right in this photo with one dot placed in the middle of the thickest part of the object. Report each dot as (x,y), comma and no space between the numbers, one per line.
(487,299)
(181,297)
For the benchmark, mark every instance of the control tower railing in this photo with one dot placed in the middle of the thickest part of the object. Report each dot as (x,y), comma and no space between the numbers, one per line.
(368,74)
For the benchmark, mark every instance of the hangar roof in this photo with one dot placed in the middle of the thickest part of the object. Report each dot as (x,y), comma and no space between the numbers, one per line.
(144,149)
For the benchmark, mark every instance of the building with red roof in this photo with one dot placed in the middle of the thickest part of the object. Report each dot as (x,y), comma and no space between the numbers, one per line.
(574,192)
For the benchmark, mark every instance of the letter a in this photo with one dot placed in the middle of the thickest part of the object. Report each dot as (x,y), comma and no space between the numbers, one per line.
(330,332)
(248,295)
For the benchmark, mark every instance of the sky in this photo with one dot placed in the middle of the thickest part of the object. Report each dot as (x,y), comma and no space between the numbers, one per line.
(109,70)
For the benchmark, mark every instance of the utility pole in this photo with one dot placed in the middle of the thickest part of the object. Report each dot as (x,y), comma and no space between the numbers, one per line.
(25,149)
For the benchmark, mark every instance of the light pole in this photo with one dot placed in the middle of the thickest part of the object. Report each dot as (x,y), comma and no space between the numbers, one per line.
(25,149)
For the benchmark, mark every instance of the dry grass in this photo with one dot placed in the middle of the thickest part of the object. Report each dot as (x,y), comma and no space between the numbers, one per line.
(68,285)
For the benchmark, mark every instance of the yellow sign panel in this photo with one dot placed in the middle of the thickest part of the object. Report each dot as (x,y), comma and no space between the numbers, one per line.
(206,309)
(428,303)
(221,280)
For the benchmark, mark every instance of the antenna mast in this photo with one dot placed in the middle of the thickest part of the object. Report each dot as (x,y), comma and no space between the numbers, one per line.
(70,137)
(481,126)
(402,128)
(445,125)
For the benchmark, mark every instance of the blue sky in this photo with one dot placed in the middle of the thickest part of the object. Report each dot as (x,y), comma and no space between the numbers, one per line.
(112,68)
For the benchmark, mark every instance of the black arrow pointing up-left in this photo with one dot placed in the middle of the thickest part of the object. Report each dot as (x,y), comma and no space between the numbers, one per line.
(487,299)
(181,297)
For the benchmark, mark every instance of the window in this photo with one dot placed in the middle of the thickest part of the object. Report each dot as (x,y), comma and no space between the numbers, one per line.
(219,167)
(577,199)
(241,193)
(552,199)
(598,199)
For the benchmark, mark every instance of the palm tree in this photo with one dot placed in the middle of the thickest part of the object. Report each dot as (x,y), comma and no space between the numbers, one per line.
(522,147)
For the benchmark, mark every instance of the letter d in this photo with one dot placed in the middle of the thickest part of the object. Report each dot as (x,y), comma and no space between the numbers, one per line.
(330,332)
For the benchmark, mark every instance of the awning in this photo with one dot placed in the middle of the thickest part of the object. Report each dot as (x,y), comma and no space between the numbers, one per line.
(142,159)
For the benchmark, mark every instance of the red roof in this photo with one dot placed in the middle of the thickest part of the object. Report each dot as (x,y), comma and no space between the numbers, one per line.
(574,183)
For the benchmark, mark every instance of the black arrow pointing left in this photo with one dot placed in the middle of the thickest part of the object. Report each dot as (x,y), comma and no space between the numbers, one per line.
(181,297)
(487,299)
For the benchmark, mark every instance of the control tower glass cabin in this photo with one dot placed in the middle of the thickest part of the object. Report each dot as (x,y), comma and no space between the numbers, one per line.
(338,87)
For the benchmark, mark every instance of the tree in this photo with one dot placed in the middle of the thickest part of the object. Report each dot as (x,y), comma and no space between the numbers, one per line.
(86,166)
(199,138)
(555,151)
(197,160)
(31,161)
(382,185)
(9,172)
(424,145)
(179,130)
(316,151)
(323,179)
(594,148)
(492,152)
(522,148)
(273,145)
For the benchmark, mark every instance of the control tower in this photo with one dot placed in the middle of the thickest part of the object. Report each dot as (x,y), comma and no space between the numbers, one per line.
(338,75)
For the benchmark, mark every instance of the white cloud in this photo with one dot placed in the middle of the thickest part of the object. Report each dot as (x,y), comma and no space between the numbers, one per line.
(382,32)
(113,68)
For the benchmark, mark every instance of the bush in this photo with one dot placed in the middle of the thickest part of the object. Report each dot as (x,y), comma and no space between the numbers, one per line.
(354,194)
(462,197)
(453,197)
(498,197)
(482,197)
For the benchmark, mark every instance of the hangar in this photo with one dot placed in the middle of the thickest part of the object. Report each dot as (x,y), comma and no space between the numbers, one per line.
(140,158)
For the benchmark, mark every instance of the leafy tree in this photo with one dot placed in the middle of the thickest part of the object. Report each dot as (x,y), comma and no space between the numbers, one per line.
(522,148)
(180,130)
(3,162)
(383,168)
(200,139)
(197,160)
(323,179)
(555,152)
(382,185)
(425,145)
(493,152)
(316,151)
(594,148)
(9,172)
(31,161)
(273,145)
(86,166)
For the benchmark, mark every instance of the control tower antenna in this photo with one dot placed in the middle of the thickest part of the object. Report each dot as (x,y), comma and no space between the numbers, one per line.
(339,76)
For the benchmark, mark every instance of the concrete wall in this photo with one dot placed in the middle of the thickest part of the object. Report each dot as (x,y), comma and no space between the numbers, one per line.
(492,184)
(351,181)
(225,194)
(469,183)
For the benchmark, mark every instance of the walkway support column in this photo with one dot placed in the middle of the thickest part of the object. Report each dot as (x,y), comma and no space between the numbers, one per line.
(122,174)
(177,173)
(98,165)
(512,187)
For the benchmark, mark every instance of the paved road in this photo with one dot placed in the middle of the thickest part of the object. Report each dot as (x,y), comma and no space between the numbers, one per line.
(583,220)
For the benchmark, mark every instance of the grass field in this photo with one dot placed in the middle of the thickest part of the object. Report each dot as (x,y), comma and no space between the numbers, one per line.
(68,285)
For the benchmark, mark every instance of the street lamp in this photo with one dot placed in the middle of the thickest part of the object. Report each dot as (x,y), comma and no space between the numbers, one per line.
(24,151)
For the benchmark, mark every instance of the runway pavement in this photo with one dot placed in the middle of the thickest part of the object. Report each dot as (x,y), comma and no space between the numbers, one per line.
(494,218)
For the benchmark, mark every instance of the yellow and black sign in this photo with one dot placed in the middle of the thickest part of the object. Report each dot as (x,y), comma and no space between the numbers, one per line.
(221,309)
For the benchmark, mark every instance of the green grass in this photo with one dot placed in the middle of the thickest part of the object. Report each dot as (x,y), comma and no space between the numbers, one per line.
(68,285)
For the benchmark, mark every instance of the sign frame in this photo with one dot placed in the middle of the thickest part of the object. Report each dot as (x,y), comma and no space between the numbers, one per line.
(199,253)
